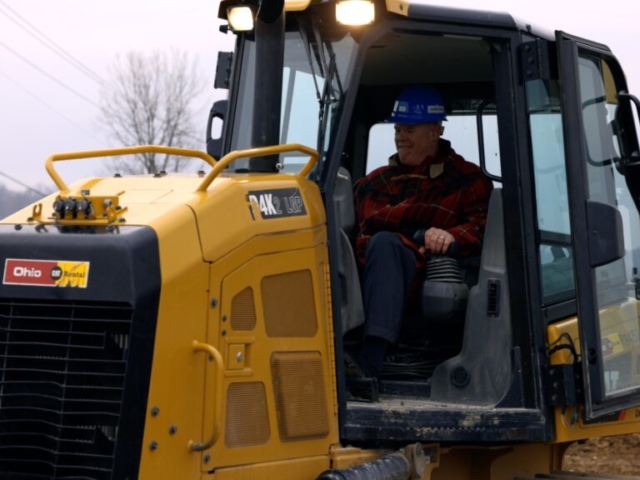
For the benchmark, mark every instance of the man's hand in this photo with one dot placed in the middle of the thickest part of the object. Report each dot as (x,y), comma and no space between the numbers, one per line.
(437,241)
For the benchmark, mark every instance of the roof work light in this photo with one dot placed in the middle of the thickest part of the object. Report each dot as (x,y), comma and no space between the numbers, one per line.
(240,18)
(355,12)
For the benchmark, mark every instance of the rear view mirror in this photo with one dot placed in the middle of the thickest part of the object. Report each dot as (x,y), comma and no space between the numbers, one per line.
(606,238)
(214,145)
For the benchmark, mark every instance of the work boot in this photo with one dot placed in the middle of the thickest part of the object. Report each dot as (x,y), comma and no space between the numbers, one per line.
(362,382)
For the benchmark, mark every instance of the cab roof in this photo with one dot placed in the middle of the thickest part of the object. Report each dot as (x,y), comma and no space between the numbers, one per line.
(422,10)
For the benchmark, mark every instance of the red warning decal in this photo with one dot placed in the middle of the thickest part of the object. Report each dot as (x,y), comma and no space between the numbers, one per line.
(46,273)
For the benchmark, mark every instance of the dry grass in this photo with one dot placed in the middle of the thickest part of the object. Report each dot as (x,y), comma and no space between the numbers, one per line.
(615,455)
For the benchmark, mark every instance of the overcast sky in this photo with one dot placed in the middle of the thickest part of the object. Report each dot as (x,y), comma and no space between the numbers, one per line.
(38,116)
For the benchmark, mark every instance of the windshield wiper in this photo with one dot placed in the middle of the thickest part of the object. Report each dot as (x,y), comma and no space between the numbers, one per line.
(329,96)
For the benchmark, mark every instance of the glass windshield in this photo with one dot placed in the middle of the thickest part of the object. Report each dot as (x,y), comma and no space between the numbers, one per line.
(316,68)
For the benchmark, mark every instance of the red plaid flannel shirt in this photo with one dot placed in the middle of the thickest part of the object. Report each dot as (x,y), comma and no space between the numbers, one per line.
(445,191)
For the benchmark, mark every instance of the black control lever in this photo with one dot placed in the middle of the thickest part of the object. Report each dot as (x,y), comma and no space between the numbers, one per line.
(418,237)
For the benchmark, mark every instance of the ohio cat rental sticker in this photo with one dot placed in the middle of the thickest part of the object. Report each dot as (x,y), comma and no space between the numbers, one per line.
(45,273)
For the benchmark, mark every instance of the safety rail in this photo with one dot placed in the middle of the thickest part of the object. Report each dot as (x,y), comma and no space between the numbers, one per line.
(116,152)
(217,167)
(260,152)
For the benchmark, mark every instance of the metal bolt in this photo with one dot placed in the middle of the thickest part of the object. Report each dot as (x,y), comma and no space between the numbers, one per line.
(18,227)
(224,332)
(527,48)
(172,429)
(239,357)
(207,458)
(214,302)
(153,445)
(155,411)
(224,318)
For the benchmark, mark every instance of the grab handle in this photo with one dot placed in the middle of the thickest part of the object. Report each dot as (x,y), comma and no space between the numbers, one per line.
(214,355)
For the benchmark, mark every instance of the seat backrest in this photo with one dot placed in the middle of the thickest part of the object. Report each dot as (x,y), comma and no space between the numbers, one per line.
(343,201)
(351,306)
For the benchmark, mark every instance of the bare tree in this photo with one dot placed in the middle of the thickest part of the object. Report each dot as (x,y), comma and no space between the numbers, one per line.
(148,102)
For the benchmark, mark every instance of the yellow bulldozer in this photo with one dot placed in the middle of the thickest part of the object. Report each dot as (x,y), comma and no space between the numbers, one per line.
(193,326)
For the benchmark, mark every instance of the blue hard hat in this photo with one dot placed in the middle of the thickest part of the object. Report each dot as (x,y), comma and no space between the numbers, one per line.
(418,104)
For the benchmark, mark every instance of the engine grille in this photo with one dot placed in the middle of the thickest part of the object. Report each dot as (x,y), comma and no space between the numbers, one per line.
(62,372)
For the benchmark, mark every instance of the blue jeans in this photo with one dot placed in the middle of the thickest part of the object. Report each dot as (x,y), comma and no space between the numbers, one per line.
(390,267)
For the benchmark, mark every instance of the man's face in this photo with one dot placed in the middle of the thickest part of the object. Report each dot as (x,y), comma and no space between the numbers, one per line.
(415,142)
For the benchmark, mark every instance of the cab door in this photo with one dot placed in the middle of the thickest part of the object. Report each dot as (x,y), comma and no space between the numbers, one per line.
(602,155)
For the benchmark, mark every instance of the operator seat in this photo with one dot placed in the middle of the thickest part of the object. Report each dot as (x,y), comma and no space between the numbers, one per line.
(351,306)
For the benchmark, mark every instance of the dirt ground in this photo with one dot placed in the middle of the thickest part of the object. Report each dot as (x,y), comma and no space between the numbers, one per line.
(615,455)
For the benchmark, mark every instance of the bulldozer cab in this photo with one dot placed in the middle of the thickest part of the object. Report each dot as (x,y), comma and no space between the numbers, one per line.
(195,325)
(551,318)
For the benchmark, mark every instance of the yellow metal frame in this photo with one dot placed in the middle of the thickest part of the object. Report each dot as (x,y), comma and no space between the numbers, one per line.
(107,209)
(217,167)
(116,152)
(401,7)
(260,152)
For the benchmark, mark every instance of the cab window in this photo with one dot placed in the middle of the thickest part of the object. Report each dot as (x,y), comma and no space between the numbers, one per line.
(552,200)
(460,130)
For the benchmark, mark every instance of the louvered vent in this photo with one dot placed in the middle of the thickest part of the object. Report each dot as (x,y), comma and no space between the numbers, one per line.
(243,311)
(301,402)
(289,305)
(62,370)
(247,420)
